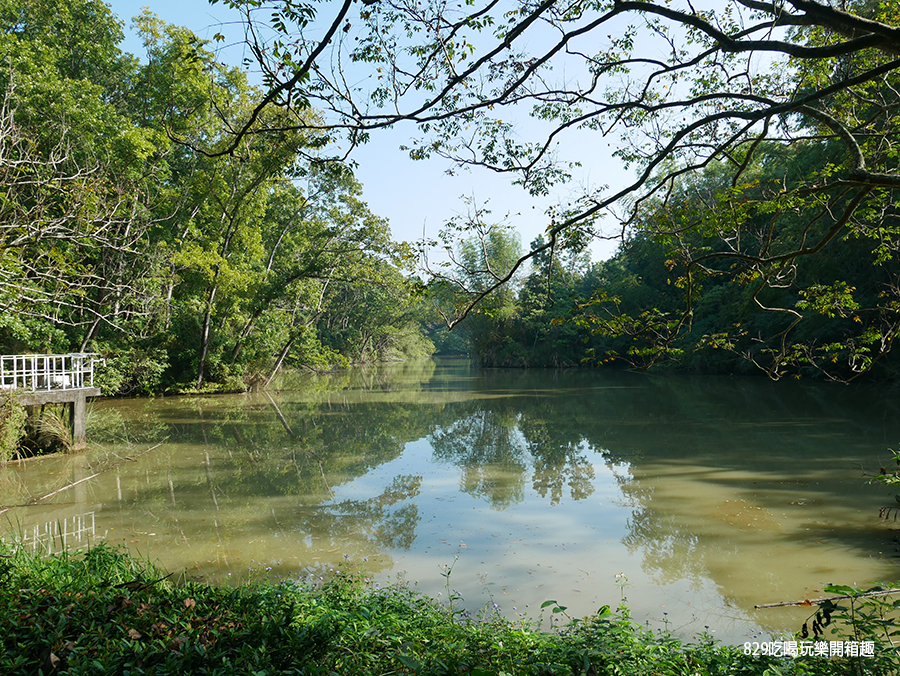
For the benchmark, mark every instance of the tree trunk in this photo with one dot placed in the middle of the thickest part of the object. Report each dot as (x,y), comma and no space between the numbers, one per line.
(204,335)
(89,336)
(248,327)
(280,360)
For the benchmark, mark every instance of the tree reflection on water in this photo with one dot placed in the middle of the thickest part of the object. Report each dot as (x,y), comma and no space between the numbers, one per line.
(705,482)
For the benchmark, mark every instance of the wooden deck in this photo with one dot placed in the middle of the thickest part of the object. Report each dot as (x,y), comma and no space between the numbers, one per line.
(39,379)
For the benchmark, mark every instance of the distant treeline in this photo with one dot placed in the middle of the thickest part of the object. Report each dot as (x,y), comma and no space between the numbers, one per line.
(651,305)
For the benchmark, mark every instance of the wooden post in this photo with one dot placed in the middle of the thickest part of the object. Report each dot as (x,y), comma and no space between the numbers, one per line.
(78,414)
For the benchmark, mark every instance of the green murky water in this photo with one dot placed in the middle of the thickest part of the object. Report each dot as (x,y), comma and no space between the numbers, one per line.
(695,498)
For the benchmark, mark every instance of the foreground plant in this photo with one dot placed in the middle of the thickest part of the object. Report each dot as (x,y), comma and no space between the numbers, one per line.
(103,612)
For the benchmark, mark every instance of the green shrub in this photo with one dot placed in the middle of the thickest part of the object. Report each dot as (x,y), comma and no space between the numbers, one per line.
(103,612)
(130,372)
(12,425)
(860,615)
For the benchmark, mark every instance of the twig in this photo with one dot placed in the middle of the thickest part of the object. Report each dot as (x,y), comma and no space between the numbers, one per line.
(813,602)
(65,488)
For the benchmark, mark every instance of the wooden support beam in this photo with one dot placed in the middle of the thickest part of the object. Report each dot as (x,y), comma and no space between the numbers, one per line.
(78,413)
(42,397)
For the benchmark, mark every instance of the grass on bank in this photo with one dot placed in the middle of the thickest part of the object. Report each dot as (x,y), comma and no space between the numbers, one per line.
(103,612)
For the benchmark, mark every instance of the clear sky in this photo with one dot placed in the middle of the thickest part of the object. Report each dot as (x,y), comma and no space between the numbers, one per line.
(416,196)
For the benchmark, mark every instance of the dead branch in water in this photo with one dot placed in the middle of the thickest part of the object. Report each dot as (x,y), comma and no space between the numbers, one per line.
(34,501)
(814,602)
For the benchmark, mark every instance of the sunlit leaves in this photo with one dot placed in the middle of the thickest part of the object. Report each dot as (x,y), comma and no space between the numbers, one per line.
(835,300)
(118,215)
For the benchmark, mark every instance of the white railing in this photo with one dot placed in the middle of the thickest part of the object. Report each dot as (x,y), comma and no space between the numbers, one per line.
(72,533)
(45,372)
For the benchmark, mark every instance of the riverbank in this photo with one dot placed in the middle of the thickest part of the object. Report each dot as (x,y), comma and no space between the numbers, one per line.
(544,486)
(102,611)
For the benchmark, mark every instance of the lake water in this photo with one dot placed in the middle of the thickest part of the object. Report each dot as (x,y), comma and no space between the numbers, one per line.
(694,498)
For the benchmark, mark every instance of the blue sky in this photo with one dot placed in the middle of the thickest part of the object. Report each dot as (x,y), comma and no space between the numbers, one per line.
(415,196)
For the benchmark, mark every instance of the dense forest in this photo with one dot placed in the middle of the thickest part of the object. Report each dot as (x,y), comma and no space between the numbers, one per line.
(835,315)
(181,269)
(200,232)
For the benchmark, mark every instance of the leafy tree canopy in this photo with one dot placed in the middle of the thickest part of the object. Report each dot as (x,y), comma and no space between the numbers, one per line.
(782,112)
(119,235)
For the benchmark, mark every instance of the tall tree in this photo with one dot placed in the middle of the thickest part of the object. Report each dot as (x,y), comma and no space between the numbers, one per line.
(679,88)
(118,234)
(73,225)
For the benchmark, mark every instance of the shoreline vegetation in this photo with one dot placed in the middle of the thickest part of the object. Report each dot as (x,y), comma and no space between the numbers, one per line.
(101,611)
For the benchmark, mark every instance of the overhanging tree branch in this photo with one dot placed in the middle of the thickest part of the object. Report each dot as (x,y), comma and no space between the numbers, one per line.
(680,91)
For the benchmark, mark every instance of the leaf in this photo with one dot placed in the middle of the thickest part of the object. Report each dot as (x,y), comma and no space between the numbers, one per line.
(603,611)
(410,662)
(843,590)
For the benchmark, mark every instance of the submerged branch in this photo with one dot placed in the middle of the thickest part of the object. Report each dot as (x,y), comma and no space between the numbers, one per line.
(814,602)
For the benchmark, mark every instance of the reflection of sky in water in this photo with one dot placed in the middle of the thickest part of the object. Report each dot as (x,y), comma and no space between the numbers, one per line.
(520,555)
(708,495)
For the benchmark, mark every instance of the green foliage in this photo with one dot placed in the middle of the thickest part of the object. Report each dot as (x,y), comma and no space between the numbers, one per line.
(185,269)
(103,612)
(674,296)
(860,615)
(890,477)
(12,424)
(27,334)
(130,372)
